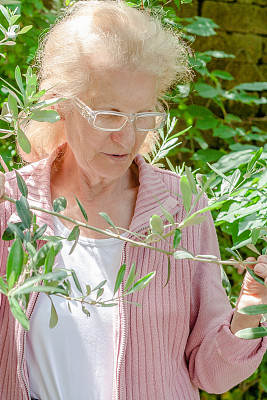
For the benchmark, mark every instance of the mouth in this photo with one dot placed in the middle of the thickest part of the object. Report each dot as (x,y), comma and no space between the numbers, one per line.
(118,157)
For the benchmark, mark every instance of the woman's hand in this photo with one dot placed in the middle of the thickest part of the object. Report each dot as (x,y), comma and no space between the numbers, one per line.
(252,293)
(2,186)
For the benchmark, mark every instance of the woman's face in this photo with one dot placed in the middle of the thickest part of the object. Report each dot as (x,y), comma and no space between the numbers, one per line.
(108,155)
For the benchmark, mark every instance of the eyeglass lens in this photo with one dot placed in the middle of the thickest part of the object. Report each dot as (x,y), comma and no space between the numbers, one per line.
(113,121)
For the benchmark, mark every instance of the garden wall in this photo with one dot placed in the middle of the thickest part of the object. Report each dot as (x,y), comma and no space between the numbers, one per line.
(243,32)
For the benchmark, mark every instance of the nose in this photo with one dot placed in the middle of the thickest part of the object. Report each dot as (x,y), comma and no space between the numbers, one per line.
(126,136)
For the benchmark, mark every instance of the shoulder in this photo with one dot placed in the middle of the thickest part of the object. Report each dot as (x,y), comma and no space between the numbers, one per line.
(30,174)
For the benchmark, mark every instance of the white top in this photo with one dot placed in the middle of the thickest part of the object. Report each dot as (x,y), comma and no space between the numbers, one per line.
(74,360)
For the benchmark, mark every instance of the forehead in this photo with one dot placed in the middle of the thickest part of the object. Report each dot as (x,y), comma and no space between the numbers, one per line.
(123,89)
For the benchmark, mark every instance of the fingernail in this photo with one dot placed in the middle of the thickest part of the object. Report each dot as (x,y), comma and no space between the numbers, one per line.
(260,268)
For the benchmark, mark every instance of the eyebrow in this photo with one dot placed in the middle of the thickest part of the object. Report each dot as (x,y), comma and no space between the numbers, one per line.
(108,107)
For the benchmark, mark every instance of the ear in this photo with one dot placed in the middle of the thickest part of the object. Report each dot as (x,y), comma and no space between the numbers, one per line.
(58,107)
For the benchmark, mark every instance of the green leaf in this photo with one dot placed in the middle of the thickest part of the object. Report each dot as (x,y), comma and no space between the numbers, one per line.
(74,235)
(53,317)
(22,185)
(106,218)
(39,233)
(169,272)
(119,278)
(222,74)
(5,13)
(254,310)
(85,311)
(49,260)
(14,262)
(177,238)
(109,304)
(48,288)
(99,292)
(45,116)
(76,281)
(131,278)
(142,283)
(254,159)
(256,277)
(224,131)
(156,225)
(82,209)
(12,104)
(225,281)
(39,259)
(206,91)
(253,86)
(19,313)
(3,286)
(12,229)
(24,142)
(191,180)
(219,173)
(182,255)
(58,274)
(166,213)
(252,333)
(99,285)
(186,193)
(59,204)
(202,27)
(193,220)
(23,210)
(18,78)
(255,234)
(25,29)
(88,289)
(218,54)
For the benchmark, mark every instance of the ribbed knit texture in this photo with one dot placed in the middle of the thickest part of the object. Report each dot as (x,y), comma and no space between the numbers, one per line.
(179,340)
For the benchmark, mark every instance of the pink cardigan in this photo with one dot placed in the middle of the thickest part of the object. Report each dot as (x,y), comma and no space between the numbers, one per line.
(179,340)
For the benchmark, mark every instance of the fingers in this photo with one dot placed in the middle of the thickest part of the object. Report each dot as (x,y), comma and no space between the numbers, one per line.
(261,268)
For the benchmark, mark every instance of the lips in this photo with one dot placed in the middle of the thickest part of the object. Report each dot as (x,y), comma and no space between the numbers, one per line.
(118,157)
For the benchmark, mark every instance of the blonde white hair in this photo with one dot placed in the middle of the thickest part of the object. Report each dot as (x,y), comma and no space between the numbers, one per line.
(102,33)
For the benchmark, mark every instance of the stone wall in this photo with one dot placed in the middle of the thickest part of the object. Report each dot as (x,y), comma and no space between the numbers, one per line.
(243,32)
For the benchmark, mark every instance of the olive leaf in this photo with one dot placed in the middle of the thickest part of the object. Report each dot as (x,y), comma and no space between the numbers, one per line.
(23,210)
(177,238)
(53,317)
(252,333)
(156,225)
(186,193)
(21,185)
(82,209)
(141,283)
(131,278)
(59,204)
(14,262)
(18,313)
(119,278)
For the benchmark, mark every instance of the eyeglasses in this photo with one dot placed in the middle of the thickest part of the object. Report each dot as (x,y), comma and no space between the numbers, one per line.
(115,121)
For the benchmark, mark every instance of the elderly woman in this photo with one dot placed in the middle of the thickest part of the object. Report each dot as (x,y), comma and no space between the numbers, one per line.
(112,63)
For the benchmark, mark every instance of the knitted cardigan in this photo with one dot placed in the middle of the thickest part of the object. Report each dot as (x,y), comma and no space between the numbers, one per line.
(179,340)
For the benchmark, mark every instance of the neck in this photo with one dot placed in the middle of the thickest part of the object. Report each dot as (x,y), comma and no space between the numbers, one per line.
(69,177)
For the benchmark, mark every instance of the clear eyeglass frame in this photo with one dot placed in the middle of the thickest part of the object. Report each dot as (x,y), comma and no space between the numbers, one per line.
(91,116)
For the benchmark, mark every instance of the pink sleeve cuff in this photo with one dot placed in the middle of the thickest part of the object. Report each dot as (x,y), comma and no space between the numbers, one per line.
(239,351)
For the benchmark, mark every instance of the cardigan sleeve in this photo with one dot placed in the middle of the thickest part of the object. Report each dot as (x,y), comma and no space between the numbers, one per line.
(217,359)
